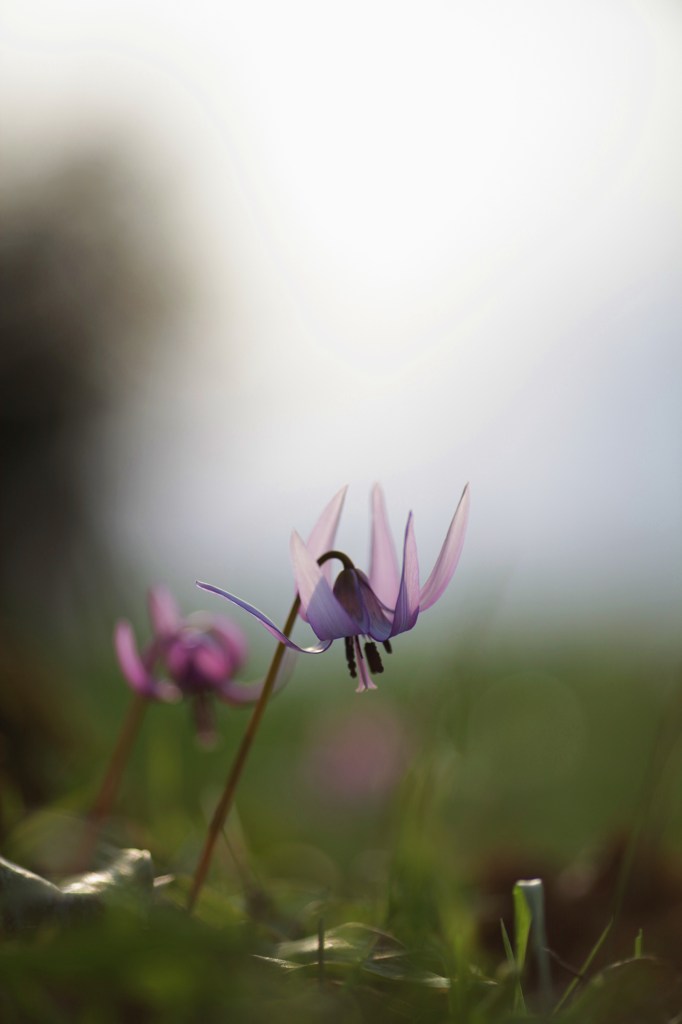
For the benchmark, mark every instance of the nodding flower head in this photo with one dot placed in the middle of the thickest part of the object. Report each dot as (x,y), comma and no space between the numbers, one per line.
(363,609)
(193,657)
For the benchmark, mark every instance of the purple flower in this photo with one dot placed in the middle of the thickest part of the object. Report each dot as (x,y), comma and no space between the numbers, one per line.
(193,657)
(373,607)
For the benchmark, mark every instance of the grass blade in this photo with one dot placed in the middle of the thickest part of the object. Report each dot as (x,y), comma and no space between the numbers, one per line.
(585,967)
(519,1001)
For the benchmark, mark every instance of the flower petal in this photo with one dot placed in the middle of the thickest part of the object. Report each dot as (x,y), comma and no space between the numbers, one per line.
(231,637)
(407,605)
(348,592)
(163,611)
(264,620)
(324,613)
(211,664)
(134,669)
(128,656)
(384,576)
(177,657)
(323,534)
(446,563)
(378,626)
(227,635)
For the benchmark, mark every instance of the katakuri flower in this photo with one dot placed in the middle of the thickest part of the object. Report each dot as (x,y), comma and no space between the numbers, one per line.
(194,657)
(361,609)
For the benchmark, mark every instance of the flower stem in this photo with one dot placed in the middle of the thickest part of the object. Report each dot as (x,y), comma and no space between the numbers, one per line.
(223,809)
(124,744)
(104,801)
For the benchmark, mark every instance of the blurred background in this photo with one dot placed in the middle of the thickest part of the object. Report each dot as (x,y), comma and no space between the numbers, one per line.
(253,252)
(276,250)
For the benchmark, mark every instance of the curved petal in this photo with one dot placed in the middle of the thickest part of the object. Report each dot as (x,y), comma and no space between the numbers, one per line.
(325,614)
(323,534)
(378,626)
(446,563)
(133,668)
(128,656)
(384,577)
(264,620)
(407,605)
(163,611)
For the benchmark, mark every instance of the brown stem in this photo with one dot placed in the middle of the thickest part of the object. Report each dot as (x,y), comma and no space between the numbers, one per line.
(104,800)
(223,809)
(124,744)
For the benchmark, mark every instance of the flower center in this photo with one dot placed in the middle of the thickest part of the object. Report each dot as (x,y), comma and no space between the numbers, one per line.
(355,595)
(347,592)
(372,655)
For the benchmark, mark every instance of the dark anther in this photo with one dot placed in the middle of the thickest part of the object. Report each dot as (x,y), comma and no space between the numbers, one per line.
(373,658)
(350,657)
(387,647)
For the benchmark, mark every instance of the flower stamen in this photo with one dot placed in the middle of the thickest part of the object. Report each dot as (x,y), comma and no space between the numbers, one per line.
(373,658)
(350,657)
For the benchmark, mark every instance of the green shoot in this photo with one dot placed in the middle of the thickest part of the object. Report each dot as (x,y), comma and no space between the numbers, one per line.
(519,1001)
(529,910)
(585,967)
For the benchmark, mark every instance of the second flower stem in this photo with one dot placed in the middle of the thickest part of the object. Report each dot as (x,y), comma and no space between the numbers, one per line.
(104,801)
(108,791)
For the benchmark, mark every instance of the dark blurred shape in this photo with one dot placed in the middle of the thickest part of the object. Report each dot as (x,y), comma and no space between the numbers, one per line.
(35,734)
(582,898)
(86,284)
(82,291)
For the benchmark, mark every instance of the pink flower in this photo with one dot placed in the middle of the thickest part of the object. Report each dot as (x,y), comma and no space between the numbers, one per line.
(375,606)
(359,757)
(193,657)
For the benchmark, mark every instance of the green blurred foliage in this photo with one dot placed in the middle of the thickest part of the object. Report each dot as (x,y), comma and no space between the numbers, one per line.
(412,810)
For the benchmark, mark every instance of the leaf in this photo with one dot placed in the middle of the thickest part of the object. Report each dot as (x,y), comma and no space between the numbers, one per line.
(358,947)
(352,941)
(512,959)
(506,941)
(27,900)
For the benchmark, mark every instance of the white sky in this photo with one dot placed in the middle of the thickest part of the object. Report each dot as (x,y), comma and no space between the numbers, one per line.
(433,243)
